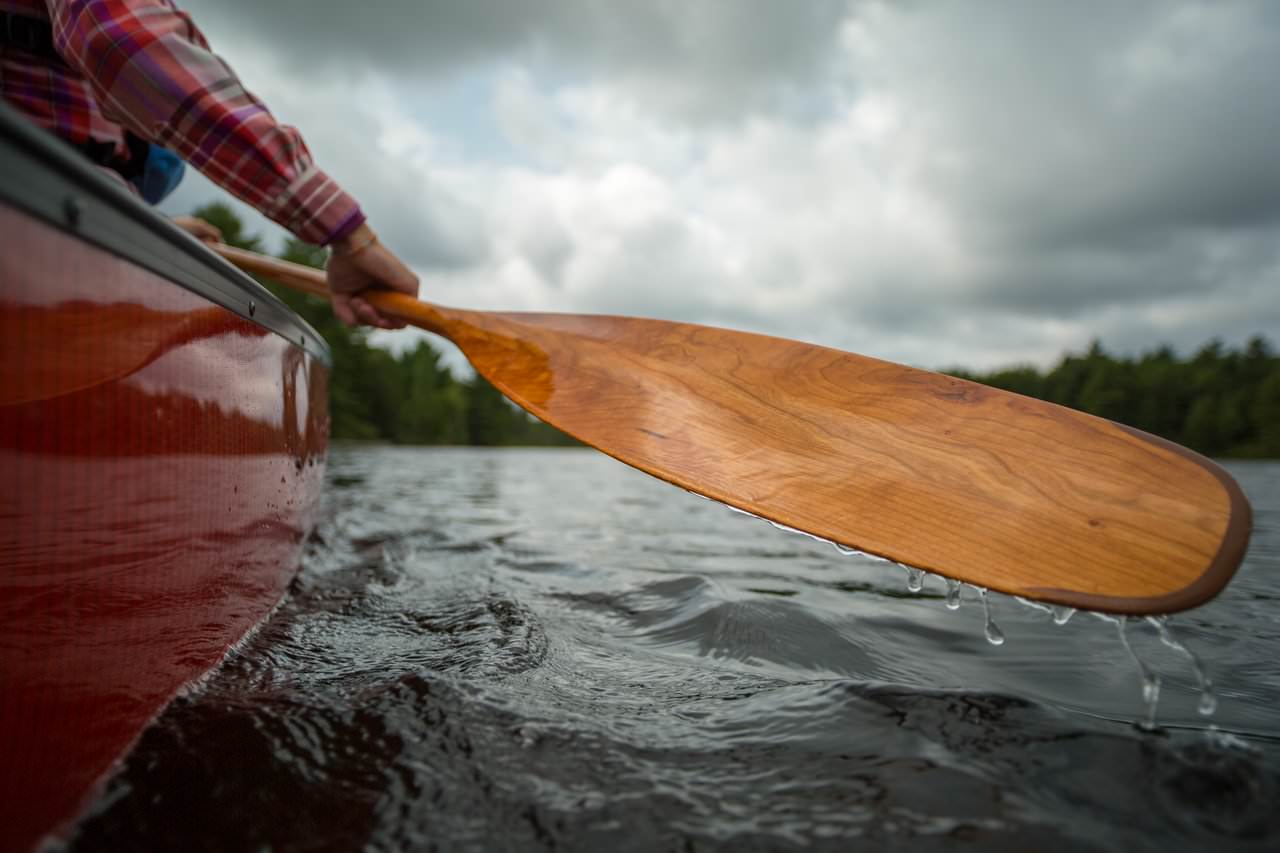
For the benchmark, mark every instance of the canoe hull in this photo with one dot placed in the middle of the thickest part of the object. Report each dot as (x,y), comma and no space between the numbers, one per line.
(161,461)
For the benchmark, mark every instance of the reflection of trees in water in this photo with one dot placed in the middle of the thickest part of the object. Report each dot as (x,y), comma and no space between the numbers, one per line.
(124,419)
(50,350)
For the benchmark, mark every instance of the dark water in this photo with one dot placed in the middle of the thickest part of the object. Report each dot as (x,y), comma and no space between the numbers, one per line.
(542,649)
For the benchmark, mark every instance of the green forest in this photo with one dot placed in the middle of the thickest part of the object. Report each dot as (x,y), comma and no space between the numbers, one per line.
(1220,401)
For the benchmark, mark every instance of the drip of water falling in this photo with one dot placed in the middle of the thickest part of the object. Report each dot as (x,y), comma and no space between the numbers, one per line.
(854,552)
(850,552)
(953,594)
(994,635)
(915,579)
(1150,679)
(1208,701)
(1059,612)
(1151,695)
(786,529)
(843,549)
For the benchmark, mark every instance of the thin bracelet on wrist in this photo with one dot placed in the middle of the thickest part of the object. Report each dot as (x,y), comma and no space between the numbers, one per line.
(358,248)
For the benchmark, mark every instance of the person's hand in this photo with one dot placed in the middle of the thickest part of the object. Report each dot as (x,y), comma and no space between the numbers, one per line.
(359,262)
(199,228)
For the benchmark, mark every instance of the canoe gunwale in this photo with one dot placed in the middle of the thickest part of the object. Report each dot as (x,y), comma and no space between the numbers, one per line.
(47,179)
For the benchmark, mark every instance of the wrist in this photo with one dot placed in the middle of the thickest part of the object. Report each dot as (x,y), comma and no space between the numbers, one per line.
(355,242)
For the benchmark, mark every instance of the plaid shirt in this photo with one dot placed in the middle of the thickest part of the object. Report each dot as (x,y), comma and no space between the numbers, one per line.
(143,65)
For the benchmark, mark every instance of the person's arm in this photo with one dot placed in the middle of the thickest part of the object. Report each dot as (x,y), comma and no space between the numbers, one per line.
(153,72)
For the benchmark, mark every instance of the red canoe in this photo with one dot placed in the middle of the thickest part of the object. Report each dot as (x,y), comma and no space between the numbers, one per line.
(163,429)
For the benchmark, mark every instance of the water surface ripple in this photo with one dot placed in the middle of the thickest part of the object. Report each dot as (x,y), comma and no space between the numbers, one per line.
(545,650)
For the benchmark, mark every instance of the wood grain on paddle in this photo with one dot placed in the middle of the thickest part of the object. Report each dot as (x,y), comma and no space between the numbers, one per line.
(973,483)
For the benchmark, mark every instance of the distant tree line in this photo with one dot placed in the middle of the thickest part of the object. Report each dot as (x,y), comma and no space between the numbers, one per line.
(409,398)
(1219,402)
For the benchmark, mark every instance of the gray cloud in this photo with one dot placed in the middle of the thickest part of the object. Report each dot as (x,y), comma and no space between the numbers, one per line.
(1096,122)
(429,226)
(705,59)
(1098,155)
(970,182)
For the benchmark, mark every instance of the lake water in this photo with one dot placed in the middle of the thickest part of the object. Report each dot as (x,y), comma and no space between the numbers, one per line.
(545,650)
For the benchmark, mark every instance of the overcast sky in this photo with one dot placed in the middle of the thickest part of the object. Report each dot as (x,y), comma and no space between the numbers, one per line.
(936,183)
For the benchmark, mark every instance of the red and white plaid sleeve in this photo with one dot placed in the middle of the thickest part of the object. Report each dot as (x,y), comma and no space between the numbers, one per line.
(152,70)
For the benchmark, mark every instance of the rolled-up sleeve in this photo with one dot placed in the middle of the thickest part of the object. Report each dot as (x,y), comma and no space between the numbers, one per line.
(153,72)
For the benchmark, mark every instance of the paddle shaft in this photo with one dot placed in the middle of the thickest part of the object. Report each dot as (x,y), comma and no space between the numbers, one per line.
(312,281)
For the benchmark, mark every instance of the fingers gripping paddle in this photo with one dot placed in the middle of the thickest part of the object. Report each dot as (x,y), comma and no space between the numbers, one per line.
(980,485)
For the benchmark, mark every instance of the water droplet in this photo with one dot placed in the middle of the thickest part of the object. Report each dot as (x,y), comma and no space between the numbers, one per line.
(1062,614)
(785,529)
(953,594)
(850,552)
(1151,695)
(1034,605)
(994,635)
(1150,680)
(915,579)
(1208,701)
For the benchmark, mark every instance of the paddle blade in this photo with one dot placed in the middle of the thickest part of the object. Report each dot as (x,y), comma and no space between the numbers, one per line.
(980,485)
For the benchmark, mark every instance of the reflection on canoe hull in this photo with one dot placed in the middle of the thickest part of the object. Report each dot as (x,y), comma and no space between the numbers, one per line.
(161,458)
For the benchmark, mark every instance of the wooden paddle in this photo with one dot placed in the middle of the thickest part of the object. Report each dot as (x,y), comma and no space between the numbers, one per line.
(980,485)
